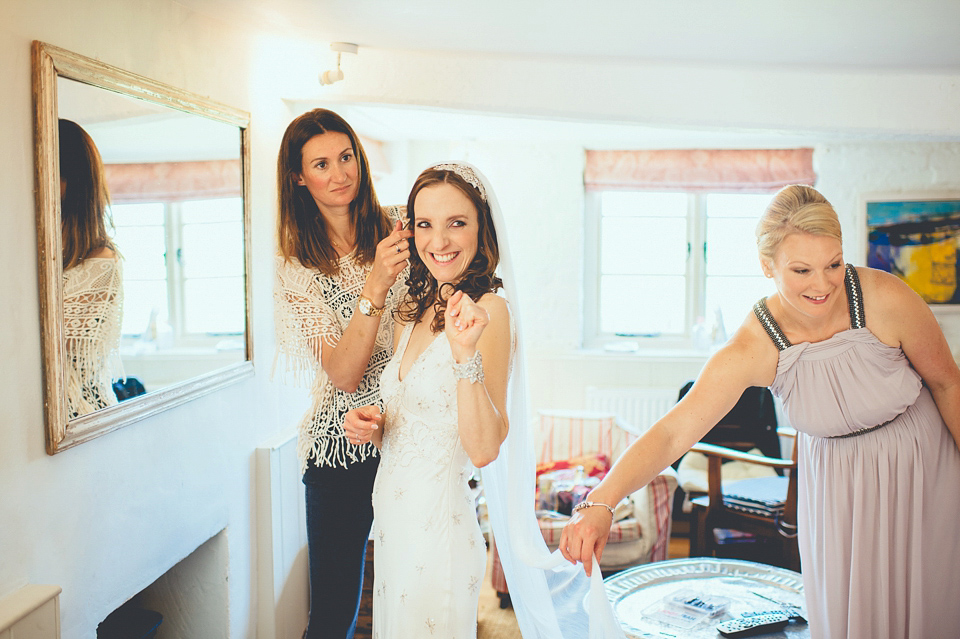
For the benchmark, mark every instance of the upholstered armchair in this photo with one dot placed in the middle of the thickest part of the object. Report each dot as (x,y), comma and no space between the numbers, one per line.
(641,532)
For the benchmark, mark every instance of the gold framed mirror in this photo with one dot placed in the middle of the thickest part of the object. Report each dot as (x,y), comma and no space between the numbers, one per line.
(171,320)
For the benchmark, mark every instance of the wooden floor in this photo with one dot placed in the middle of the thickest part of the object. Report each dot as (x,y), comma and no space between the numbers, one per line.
(494,622)
(679,548)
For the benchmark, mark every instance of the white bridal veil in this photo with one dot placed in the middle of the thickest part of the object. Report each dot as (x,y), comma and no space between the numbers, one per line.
(553,599)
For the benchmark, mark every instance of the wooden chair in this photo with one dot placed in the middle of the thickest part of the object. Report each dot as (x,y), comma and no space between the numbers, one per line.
(714,512)
(751,423)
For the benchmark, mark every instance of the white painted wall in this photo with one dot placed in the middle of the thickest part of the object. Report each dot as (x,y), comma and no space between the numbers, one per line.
(850,112)
(539,186)
(105,519)
(193,596)
(848,172)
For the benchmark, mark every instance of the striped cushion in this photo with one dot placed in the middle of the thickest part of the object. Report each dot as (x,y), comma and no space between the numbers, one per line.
(563,435)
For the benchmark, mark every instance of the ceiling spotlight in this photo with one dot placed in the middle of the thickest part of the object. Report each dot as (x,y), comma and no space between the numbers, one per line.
(335,75)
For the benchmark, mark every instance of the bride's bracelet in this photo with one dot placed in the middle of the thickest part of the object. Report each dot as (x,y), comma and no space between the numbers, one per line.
(588,504)
(471,370)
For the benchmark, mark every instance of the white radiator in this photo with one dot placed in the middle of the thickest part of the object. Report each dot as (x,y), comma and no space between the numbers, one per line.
(639,408)
(33,612)
(283,582)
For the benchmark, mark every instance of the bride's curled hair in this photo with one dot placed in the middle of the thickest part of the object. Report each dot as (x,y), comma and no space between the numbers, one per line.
(480,276)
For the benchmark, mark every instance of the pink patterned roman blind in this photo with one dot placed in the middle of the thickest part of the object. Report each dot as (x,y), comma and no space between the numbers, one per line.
(170,181)
(699,170)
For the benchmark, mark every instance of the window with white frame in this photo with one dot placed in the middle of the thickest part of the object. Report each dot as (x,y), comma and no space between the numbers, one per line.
(183,267)
(671,268)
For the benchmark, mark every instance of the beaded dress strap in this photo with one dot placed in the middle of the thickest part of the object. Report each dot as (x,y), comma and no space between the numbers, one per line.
(854,298)
(770,325)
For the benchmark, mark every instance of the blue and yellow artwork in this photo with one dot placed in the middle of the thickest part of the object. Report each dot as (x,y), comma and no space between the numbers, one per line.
(917,240)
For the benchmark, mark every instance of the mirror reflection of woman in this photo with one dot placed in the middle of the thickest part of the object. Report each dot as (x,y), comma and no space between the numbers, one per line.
(336,288)
(92,276)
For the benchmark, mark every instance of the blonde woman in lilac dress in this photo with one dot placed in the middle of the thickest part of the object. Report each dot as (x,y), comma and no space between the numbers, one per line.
(868,380)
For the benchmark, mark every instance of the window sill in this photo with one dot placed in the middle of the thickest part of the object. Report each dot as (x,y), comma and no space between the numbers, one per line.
(644,354)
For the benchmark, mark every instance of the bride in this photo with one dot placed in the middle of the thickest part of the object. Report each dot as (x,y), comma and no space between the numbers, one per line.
(446,410)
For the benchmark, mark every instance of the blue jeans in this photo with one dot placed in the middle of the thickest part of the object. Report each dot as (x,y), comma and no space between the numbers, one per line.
(339,515)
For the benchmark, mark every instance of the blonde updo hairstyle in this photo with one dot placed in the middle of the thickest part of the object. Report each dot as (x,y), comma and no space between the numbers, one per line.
(795,209)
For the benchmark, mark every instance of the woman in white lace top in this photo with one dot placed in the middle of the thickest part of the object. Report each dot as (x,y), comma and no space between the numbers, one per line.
(337,284)
(92,277)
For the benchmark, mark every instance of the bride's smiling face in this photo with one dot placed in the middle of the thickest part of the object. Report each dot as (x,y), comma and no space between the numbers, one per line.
(445,231)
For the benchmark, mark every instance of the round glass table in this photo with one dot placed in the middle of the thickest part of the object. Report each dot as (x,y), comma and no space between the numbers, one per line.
(690,597)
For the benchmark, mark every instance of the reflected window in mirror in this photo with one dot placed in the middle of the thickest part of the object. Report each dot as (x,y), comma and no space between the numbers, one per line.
(184,279)
(175,180)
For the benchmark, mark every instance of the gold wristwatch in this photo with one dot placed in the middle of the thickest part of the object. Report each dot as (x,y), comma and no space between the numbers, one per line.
(365,306)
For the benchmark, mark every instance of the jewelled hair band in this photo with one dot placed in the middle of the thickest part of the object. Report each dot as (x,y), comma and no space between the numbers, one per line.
(466,173)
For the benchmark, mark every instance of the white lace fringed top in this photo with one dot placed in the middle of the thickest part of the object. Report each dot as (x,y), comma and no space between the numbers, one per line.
(92,314)
(312,308)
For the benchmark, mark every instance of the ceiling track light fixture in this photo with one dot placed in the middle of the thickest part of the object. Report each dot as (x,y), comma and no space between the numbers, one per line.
(329,77)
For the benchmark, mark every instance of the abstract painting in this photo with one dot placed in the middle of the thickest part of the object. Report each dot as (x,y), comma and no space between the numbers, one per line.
(917,239)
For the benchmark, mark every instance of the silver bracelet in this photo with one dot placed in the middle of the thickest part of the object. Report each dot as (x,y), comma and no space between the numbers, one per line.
(589,504)
(471,370)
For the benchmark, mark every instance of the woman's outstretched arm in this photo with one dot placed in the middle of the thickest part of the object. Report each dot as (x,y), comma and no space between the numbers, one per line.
(748,359)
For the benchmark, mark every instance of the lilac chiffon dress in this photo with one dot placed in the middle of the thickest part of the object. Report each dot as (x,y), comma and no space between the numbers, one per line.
(879,485)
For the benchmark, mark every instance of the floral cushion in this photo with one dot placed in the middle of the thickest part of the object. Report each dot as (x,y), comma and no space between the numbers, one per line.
(561,485)
(593,465)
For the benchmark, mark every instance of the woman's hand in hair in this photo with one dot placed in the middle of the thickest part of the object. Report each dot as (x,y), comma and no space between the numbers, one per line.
(393,252)
(464,321)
